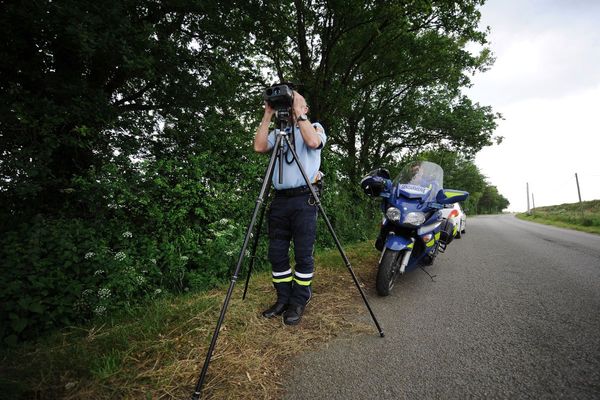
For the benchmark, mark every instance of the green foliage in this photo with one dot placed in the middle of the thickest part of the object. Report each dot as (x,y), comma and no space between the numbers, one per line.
(107,365)
(584,217)
(140,349)
(127,169)
(383,76)
(353,216)
(491,201)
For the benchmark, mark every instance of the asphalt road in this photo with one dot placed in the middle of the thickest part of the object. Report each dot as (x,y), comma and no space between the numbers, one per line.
(514,313)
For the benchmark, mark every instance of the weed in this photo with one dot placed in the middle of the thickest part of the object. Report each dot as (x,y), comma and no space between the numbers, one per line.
(584,217)
(156,351)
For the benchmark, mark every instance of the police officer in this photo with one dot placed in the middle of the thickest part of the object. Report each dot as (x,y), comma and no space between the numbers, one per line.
(292,213)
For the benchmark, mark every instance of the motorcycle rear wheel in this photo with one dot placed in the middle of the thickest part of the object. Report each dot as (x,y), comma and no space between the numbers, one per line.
(387,271)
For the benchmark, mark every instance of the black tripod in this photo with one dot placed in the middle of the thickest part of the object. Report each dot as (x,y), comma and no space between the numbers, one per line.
(280,135)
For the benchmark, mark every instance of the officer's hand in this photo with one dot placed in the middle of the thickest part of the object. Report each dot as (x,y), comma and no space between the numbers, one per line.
(299,105)
(269,111)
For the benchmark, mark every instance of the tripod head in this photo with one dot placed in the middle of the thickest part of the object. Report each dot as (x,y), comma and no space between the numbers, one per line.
(284,115)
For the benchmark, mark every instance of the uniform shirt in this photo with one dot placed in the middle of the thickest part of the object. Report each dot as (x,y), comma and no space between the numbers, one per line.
(310,159)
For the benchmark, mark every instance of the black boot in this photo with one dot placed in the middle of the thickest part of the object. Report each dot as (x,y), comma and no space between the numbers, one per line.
(293,314)
(274,310)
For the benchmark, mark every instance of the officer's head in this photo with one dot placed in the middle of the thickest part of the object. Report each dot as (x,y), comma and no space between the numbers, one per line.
(300,102)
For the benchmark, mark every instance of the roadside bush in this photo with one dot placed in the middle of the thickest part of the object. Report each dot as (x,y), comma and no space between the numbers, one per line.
(353,215)
(133,232)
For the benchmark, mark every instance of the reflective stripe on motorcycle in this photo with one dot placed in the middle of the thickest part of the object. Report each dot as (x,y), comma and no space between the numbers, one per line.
(455,230)
(450,194)
(410,246)
(430,243)
(437,236)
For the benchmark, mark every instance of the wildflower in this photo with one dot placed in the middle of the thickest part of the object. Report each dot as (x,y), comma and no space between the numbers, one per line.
(229,252)
(120,256)
(87,292)
(98,272)
(140,279)
(224,221)
(99,310)
(89,255)
(153,261)
(104,293)
(184,258)
(127,234)
(80,305)
(157,291)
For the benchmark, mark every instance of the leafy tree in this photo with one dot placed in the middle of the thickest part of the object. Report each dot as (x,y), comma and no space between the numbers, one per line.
(122,136)
(383,76)
(491,201)
(86,83)
(126,131)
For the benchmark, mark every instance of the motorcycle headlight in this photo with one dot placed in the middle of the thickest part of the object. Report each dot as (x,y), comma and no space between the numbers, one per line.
(414,218)
(393,214)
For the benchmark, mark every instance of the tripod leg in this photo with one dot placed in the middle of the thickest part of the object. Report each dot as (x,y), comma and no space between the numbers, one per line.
(259,202)
(255,243)
(337,242)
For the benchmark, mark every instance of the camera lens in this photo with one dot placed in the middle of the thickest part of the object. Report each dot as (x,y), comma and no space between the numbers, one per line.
(269,91)
(276,91)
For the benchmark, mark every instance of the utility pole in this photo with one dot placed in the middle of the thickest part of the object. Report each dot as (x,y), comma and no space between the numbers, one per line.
(579,194)
(528,209)
(533,201)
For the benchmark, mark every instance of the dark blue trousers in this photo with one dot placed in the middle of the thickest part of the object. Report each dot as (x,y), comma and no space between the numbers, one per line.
(292,218)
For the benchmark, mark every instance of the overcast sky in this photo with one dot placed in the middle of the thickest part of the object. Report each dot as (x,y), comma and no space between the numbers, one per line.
(546,84)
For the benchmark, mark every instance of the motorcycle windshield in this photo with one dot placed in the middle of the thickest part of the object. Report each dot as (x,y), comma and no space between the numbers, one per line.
(421,179)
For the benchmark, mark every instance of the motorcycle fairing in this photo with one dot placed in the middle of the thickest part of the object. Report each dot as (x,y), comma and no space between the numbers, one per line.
(433,218)
(397,243)
(433,227)
(411,191)
(429,247)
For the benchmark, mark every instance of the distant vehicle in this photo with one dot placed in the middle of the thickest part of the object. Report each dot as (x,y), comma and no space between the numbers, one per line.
(457,217)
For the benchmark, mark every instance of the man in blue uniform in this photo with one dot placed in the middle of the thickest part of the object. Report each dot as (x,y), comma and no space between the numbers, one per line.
(292,214)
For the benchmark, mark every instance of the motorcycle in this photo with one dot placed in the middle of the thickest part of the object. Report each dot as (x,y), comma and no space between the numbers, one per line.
(413,230)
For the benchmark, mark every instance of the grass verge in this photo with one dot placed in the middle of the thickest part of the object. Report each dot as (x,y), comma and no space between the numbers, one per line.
(157,352)
(584,217)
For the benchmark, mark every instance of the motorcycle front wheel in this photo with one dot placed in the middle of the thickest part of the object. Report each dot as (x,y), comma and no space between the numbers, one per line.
(387,271)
